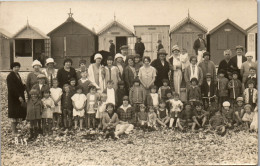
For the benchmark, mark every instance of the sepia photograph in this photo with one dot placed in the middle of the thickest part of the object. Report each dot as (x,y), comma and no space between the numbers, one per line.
(129,82)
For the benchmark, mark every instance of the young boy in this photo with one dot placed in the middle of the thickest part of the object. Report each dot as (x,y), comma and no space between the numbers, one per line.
(111,92)
(228,114)
(163,117)
(250,94)
(41,86)
(73,85)
(66,106)
(222,87)
(92,99)
(208,91)
(234,87)
(152,99)
(199,117)
(186,116)
(217,122)
(137,94)
(194,92)
(162,89)
(239,111)
(252,76)
(120,93)
(176,107)
(84,82)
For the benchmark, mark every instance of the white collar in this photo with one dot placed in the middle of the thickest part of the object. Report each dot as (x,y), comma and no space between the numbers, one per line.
(254,76)
(125,107)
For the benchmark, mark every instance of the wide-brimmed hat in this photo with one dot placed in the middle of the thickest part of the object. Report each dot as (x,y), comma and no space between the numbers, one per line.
(239,47)
(49,60)
(162,51)
(118,55)
(175,47)
(98,56)
(123,47)
(36,62)
(249,54)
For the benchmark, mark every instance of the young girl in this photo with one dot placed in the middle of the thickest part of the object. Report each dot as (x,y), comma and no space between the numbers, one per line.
(56,94)
(162,90)
(163,117)
(239,111)
(66,106)
(92,98)
(34,111)
(142,117)
(102,106)
(194,92)
(153,98)
(175,108)
(47,113)
(110,120)
(84,82)
(78,102)
(152,119)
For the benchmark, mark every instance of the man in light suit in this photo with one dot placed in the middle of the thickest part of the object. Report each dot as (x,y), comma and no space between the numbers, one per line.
(238,59)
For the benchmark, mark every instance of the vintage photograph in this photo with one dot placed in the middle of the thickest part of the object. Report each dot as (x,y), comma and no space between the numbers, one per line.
(128,82)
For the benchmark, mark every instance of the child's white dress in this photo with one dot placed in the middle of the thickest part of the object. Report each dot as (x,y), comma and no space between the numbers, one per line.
(176,105)
(79,100)
(48,112)
(55,94)
(101,109)
(155,98)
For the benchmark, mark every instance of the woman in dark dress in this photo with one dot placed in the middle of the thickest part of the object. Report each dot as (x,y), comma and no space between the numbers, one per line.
(162,67)
(66,73)
(16,99)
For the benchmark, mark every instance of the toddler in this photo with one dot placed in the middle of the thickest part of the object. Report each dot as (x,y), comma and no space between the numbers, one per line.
(163,117)
(239,111)
(142,117)
(153,98)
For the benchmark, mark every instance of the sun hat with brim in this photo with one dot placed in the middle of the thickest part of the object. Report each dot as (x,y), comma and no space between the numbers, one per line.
(247,106)
(49,60)
(98,56)
(175,47)
(162,51)
(118,55)
(249,54)
(226,104)
(41,76)
(36,63)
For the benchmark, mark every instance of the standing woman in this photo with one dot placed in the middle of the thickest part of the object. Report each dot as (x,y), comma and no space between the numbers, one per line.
(129,72)
(66,73)
(96,73)
(119,62)
(16,99)
(50,72)
(177,68)
(147,74)
(32,77)
(162,67)
(112,72)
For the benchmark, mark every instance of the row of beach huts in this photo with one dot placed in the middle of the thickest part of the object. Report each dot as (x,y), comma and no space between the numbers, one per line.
(74,40)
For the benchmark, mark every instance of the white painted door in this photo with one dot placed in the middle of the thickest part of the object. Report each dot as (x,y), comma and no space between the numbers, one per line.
(131,45)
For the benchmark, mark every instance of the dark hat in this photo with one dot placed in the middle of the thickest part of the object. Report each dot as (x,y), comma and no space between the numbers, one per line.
(221,71)
(123,47)
(125,98)
(136,80)
(67,60)
(194,79)
(121,83)
(139,37)
(14,64)
(239,47)
(137,56)
(162,51)
(82,61)
(165,80)
(159,41)
(110,58)
(208,75)
(206,54)
(235,72)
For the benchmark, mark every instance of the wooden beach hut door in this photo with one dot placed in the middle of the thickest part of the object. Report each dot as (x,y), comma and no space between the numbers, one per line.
(150,43)
(252,44)
(120,41)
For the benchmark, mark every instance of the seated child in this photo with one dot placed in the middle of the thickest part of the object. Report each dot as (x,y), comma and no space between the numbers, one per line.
(142,117)
(239,111)
(162,89)
(194,92)
(228,114)
(152,99)
(217,122)
(254,124)
(176,107)
(163,117)
(110,120)
(199,117)
(152,119)
(248,116)
(186,116)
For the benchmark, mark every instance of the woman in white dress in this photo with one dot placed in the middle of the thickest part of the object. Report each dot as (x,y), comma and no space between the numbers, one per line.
(177,68)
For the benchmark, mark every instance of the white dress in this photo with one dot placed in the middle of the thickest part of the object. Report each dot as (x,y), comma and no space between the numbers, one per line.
(79,100)
(48,112)
(55,94)
(101,109)
(177,73)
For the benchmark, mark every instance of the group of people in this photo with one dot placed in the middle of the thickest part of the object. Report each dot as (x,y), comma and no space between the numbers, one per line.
(173,91)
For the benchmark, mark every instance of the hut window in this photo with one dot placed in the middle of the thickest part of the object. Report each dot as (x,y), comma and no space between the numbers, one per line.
(152,28)
(23,48)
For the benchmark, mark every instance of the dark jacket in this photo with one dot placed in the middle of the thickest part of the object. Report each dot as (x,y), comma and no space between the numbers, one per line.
(162,71)
(45,87)
(211,89)
(66,102)
(234,60)
(128,77)
(196,45)
(112,50)
(120,93)
(34,109)
(139,48)
(64,77)
(15,89)
(227,66)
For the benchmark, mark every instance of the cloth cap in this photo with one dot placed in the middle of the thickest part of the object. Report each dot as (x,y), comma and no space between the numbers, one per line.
(125,98)
(240,99)
(239,47)
(175,47)
(123,47)
(41,76)
(49,60)
(118,55)
(14,64)
(226,104)
(98,56)
(36,62)
(162,51)
(159,41)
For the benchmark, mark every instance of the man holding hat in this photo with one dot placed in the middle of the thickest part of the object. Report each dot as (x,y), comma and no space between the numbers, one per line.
(208,66)
(160,46)
(139,47)
(124,51)
(112,48)
(239,59)
(199,44)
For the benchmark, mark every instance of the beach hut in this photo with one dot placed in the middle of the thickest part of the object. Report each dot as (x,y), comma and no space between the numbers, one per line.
(226,35)
(29,44)
(5,49)
(185,33)
(119,33)
(252,39)
(73,40)
(150,35)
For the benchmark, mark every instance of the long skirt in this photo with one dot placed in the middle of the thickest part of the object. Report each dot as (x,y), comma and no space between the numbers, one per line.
(177,79)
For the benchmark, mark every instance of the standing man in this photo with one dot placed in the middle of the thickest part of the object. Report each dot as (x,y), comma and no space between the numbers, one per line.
(239,59)
(226,64)
(200,46)
(160,46)
(112,48)
(139,47)
(124,51)
(208,66)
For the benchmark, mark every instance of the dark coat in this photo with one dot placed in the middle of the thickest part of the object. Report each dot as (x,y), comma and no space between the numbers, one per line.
(139,48)
(128,77)
(205,89)
(162,71)
(234,60)
(15,89)
(63,76)
(112,50)
(227,66)
(34,109)
(196,45)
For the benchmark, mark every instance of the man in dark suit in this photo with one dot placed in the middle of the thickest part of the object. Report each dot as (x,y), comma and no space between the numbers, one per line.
(238,59)
(139,47)
(160,46)
(226,64)
(112,48)
(199,44)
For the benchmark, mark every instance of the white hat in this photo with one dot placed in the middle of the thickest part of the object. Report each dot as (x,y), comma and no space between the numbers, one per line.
(226,104)
(49,60)
(36,62)
(175,47)
(98,56)
(118,55)
(249,54)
